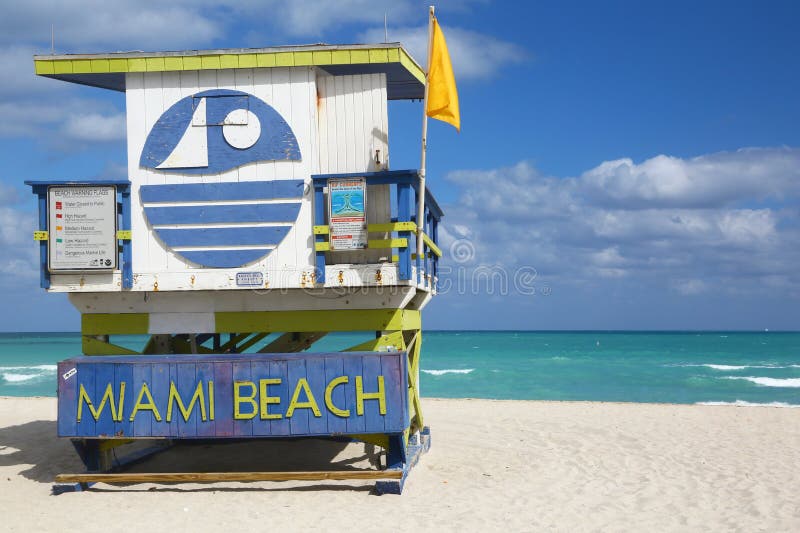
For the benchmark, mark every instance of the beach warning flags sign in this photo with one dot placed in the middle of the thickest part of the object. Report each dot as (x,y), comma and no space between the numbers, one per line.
(442,103)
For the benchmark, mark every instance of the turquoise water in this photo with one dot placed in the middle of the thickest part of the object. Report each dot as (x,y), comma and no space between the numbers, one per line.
(679,367)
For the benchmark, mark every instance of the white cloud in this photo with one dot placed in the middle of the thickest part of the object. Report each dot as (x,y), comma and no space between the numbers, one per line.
(81,24)
(474,54)
(708,180)
(689,225)
(95,127)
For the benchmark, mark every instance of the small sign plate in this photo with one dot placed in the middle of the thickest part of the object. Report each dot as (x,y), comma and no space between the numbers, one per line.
(82,228)
(249,279)
(347,213)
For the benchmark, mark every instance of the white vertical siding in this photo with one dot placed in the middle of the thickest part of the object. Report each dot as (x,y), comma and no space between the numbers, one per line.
(353,124)
(291,91)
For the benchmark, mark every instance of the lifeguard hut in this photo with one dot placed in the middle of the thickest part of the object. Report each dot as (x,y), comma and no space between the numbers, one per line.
(259,215)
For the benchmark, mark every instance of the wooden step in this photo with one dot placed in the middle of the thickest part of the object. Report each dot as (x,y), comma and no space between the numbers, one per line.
(189,477)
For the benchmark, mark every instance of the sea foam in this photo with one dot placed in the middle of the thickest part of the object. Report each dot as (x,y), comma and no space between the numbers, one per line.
(22,374)
(742,403)
(770,382)
(449,371)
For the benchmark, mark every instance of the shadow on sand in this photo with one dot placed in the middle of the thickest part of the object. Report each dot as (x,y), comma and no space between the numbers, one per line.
(35,447)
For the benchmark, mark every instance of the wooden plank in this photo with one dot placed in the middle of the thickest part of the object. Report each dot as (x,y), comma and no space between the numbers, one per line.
(396,418)
(205,374)
(186,384)
(142,422)
(352,368)
(373,419)
(86,425)
(223,384)
(123,373)
(242,373)
(160,391)
(108,323)
(388,243)
(214,214)
(315,372)
(298,422)
(223,191)
(333,369)
(67,398)
(280,370)
(238,236)
(260,370)
(188,477)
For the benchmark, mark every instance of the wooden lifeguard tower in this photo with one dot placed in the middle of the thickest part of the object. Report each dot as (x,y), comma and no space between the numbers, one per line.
(259,215)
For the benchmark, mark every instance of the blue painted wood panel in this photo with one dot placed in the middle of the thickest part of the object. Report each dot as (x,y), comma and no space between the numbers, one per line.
(205,374)
(280,369)
(252,236)
(124,373)
(267,384)
(86,422)
(216,214)
(224,258)
(222,192)
(67,396)
(142,375)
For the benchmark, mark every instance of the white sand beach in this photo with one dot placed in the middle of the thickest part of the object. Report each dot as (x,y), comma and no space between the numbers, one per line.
(512,465)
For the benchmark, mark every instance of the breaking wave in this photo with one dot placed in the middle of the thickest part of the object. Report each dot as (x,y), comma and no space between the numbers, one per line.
(770,382)
(449,371)
(742,403)
(24,374)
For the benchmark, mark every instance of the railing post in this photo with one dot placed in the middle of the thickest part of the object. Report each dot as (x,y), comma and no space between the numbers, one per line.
(44,276)
(420,226)
(127,267)
(404,215)
(435,237)
(319,220)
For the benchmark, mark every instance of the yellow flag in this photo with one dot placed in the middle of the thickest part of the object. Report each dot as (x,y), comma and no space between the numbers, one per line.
(442,94)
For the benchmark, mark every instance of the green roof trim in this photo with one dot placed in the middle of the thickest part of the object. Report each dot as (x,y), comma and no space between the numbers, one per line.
(405,78)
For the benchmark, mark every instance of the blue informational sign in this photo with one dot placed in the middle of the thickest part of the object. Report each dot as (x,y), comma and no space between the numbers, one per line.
(347,213)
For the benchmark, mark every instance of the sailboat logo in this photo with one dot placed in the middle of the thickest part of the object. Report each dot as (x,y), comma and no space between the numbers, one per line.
(215,131)
(220,224)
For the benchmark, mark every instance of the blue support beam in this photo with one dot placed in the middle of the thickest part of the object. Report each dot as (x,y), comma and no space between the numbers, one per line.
(319,220)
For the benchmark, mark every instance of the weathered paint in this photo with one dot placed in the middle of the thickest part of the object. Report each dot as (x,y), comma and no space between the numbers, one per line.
(193,396)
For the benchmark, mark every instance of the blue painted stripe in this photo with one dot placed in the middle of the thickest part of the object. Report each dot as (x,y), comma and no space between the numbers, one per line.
(210,214)
(271,236)
(226,191)
(223,258)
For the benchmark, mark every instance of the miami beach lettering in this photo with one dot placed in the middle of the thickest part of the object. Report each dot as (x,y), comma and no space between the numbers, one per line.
(251,399)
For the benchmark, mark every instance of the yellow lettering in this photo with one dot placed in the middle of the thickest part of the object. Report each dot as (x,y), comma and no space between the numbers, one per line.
(302,384)
(211,400)
(361,396)
(344,413)
(267,400)
(238,399)
(149,406)
(186,412)
(108,396)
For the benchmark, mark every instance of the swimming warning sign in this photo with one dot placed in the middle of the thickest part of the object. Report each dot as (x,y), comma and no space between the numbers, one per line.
(82,225)
(347,214)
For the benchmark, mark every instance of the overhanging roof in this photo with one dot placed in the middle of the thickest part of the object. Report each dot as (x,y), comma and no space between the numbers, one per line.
(405,78)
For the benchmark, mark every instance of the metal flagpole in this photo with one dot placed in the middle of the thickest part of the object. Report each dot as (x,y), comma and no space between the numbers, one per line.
(421,202)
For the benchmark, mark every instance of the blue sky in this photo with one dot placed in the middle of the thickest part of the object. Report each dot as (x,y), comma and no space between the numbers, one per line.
(621,165)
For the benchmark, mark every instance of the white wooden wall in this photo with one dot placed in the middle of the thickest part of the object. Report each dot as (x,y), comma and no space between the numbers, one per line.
(291,91)
(339,123)
(353,124)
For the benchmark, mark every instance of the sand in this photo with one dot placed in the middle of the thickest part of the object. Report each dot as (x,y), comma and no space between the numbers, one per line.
(512,465)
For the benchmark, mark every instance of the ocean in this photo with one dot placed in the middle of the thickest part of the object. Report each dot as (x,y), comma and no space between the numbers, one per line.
(745,368)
